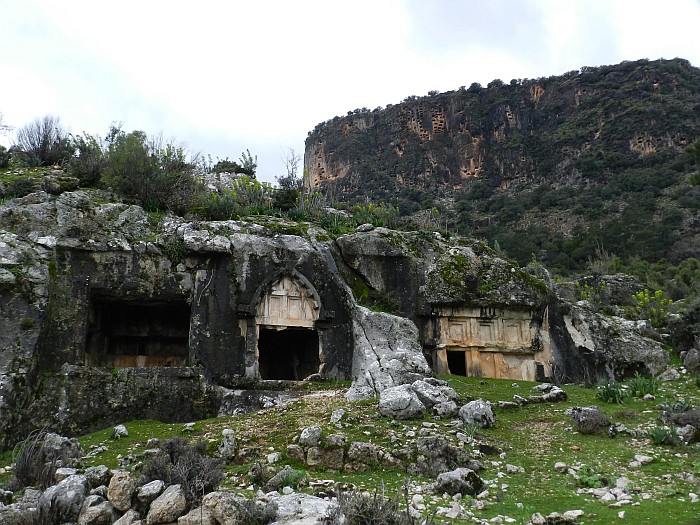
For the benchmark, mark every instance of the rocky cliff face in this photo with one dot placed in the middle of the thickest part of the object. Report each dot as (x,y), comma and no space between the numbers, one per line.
(543,166)
(109,314)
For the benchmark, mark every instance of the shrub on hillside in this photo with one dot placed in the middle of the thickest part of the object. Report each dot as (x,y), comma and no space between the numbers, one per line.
(88,161)
(178,462)
(157,176)
(358,508)
(44,142)
(5,157)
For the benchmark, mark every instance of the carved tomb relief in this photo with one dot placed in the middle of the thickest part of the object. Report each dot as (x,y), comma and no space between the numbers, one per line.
(287,340)
(490,342)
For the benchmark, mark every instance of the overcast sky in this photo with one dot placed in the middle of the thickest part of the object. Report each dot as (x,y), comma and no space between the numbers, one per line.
(225,76)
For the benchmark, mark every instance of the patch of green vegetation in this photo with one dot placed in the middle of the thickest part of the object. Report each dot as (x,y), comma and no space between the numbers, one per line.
(534,437)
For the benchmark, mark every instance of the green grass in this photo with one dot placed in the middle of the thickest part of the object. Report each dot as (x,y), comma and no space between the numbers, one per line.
(533,437)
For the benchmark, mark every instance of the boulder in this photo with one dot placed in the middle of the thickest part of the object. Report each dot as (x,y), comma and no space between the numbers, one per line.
(400,402)
(149,492)
(67,450)
(167,507)
(120,431)
(459,481)
(198,516)
(222,506)
(691,361)
(96,511)
(120,490)
(310,436)
(64,501)
(228,447)
(592,347)
(478,412)
(387,353)
(301,509)
(432,392)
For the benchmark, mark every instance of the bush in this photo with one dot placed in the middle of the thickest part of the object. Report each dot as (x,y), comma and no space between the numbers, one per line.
(221,206)
(21,187)
(639,385)
(652,306)
(89,159)
(250,512)
(588,478)
(45,142)
(178,462)
(611,393)
(157,176)
(358,508)
(5,157)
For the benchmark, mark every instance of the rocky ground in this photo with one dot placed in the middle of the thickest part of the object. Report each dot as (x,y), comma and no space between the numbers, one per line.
(498,452)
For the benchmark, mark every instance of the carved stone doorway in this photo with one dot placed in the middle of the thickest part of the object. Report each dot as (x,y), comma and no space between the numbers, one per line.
(288,344)
(290,354)
(137,334)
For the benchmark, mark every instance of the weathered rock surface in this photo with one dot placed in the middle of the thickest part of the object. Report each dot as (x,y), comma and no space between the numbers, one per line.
(121,489)
(387,354)
(461,480)
(400,402)
(167,507)
(478,412)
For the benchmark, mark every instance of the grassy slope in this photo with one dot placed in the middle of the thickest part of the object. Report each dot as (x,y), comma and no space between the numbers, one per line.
(533,437)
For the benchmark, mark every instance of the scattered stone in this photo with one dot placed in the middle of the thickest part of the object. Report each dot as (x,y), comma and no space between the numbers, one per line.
(129,518)
(149,492)
(97,476)
(670,374)
(460,480)
(96,511)
(560,466)
(63,472)
(310,436)
(168,506)
(119,431)
(400,402)
(197,516)
(478,412)
(120,491)
(228,447)
(188,427)
(513,469)
(337,415)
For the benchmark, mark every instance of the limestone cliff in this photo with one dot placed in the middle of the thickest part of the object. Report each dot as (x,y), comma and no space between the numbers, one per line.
(547,166)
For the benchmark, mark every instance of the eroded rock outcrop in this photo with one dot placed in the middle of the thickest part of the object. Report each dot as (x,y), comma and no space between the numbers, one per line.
(108,315)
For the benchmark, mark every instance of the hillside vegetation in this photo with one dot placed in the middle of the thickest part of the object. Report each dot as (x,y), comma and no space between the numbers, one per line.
(519,453)
(557,168)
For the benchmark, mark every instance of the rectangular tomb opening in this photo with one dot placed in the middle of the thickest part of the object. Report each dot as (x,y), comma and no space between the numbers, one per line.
(124,334)
(288,353)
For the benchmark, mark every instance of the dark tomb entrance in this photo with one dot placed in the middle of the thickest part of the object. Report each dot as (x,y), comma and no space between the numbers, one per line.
(457,362)
(289,353)
(136,334)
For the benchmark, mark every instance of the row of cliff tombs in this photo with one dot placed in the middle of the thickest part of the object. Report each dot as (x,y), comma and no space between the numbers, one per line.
(107,317)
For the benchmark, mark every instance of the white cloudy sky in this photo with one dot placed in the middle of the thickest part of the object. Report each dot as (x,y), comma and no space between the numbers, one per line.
(223,76)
